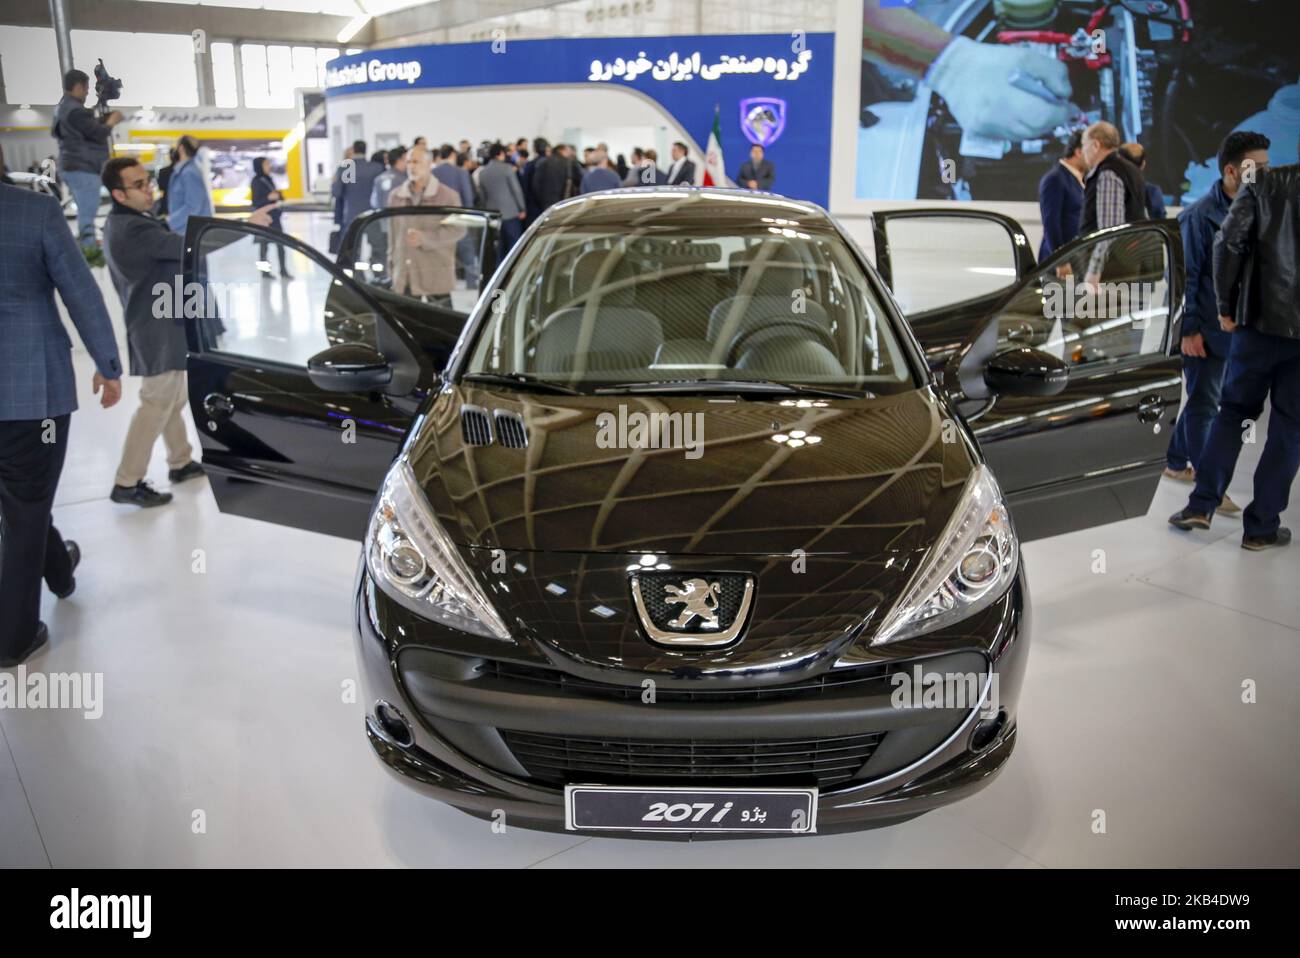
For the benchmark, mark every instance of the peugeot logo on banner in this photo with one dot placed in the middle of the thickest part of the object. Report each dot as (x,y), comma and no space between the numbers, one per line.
(762,119)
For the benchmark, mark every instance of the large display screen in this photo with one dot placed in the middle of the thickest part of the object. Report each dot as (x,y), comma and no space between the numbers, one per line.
(975,99)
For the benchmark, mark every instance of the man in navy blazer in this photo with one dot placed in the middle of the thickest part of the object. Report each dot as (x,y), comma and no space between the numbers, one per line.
(1060,198)
(37,396)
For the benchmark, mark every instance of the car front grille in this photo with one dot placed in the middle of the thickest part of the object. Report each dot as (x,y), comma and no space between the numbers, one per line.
(857,681)
(564,759)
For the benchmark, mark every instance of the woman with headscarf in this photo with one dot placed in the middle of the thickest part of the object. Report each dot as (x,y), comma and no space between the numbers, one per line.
(265,191)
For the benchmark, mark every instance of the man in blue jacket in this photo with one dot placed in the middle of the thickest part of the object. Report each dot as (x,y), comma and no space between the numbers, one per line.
(1205,346)
(1060,197)
(37,396)
(187,190)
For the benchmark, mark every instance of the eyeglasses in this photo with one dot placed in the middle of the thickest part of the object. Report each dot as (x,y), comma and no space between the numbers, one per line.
(138,184)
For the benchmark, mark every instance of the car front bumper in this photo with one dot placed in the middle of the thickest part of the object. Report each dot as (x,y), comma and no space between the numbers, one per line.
(456,754)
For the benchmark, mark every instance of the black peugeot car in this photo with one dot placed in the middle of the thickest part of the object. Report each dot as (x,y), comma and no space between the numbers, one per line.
(683,525)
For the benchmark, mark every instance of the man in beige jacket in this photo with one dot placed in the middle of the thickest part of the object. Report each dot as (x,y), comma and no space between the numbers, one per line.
(422,261)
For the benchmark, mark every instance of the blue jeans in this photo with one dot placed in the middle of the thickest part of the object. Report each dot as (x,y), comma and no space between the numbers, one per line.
(1204,385)
(1260,366)
(85,190)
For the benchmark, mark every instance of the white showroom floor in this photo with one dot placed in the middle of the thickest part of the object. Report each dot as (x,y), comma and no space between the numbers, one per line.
(223,695)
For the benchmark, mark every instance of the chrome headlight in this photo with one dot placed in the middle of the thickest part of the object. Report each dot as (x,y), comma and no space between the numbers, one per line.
(412,559)
(971,565)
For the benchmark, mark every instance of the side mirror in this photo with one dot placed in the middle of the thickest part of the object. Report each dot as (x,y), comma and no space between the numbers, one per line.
(349,367)
(1025,371)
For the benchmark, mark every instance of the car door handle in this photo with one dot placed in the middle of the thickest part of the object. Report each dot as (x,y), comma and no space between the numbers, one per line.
(218,406)
(1151,408)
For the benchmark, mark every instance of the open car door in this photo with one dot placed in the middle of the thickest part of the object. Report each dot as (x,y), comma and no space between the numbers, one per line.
(947,268)
(302,387)
(1073,389)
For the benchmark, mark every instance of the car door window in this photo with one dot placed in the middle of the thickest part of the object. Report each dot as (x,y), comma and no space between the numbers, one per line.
(1123,314)
(430,257)
(938,260)
(247,307)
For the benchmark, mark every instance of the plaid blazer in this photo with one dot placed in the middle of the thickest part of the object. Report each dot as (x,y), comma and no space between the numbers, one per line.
(37,256)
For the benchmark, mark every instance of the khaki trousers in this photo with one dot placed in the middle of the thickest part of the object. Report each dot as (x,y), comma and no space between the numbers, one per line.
(162,400)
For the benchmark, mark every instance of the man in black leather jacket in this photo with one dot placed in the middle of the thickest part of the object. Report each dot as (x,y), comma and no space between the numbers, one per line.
(1257,288)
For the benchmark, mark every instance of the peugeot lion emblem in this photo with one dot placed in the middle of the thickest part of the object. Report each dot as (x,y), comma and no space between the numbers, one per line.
(698,598)
(701,611)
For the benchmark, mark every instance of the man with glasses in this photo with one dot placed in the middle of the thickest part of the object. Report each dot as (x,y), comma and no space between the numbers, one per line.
(143,254)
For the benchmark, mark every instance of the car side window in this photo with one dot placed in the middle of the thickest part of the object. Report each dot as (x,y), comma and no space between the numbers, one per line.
(430,257)
(249,307)
(937,261)
(1105,302)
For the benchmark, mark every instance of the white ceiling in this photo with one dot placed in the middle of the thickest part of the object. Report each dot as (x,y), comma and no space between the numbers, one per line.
(343,8)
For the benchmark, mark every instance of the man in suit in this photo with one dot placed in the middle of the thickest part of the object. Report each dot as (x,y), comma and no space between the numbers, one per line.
(37,397)
(1060,197)
(557,177)
(757,173)
(353,184)
(503,193)
(541,149)
(682,170)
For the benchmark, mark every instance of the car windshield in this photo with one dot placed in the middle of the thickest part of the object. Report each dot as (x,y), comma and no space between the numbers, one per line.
(767,305)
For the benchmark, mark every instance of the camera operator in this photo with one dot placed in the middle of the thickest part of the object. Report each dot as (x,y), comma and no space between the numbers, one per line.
(83,149)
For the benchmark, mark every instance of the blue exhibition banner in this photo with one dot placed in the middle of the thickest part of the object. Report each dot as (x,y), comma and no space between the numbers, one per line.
(772,89)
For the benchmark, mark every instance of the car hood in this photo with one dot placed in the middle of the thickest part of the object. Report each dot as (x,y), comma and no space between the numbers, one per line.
(829,530)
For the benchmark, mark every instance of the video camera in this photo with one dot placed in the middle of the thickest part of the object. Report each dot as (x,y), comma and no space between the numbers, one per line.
(106,88)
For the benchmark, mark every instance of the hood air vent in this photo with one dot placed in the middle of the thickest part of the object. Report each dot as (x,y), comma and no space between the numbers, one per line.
(511,431)
(475,426)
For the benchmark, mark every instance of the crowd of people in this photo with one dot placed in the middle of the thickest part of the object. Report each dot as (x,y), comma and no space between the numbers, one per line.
(518,180)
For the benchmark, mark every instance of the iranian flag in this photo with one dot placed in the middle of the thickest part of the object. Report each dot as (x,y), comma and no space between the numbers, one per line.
(713,171)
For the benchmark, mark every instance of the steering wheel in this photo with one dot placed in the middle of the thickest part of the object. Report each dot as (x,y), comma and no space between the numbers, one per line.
(735,351)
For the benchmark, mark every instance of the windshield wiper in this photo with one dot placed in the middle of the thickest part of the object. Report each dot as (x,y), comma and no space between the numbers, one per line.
(523,381)
(765,386)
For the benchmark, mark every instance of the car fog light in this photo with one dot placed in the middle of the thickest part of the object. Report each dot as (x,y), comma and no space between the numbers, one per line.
(393,724)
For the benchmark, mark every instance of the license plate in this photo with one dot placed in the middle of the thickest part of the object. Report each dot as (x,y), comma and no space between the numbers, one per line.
(623,809)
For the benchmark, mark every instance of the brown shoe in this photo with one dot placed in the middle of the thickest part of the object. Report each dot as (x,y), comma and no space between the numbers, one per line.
(1228,507)
(1188,520)
(1180,475)
(1259,543)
